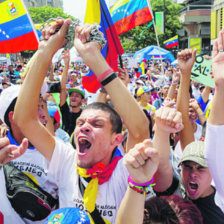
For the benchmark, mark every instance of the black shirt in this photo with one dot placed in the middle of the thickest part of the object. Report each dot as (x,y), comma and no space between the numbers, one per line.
(68,118)
(12,77)
(211,213)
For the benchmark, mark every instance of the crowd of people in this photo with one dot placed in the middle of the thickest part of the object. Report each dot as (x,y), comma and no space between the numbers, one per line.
(145,148)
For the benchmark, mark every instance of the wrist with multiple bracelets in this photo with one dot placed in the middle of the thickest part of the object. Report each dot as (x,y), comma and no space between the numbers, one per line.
(143,188)
(104,81)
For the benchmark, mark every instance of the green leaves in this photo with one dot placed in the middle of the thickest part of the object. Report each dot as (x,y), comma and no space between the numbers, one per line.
(42,14)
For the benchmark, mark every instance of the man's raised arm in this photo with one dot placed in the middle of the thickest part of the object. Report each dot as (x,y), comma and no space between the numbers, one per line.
(186,59)
(214,140)
(25,115)
(127,107)
(63,94)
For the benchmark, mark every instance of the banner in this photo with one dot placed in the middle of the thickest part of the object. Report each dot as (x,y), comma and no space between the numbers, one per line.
(213,25)
(195,43)
(202,71)
(127,14)
(159,18)
(17,32)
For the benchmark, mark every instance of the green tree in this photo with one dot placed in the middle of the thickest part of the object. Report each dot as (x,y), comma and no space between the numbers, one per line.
(131,40)
(42,14)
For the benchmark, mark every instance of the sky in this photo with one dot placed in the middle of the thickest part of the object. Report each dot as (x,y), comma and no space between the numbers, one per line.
(77,8)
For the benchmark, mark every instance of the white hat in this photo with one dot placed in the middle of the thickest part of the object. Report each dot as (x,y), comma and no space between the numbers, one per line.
(6,98)
(139,81)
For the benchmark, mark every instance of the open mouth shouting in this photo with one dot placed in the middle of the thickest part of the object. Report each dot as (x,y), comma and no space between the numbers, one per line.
(84,145)
(192,188)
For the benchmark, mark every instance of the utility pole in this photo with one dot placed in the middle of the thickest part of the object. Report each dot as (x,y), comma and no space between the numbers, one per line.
(164,17)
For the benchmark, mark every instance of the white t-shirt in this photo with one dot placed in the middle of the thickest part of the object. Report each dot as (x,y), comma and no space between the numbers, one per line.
(31,163)
(214,154)
(63,167)
(195,92)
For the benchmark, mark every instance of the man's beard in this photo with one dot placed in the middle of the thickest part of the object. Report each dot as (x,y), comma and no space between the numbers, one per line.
(75,106)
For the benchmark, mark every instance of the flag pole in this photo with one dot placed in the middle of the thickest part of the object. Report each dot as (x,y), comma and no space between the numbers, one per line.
(121,62)
(157,39)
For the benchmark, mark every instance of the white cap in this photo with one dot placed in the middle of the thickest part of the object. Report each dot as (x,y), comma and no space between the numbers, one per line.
(6,98)
(139,81)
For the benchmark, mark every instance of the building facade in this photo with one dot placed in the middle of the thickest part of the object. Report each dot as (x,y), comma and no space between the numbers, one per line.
(217,19)
(40,3)
(196,20)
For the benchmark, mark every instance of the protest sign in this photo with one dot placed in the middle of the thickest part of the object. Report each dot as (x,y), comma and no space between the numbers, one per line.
(202,71)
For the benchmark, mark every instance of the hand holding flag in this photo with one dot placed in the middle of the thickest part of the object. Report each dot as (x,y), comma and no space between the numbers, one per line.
(97,12)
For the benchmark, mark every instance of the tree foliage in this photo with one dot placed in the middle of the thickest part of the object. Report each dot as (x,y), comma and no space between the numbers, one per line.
(42,14)
(131,40)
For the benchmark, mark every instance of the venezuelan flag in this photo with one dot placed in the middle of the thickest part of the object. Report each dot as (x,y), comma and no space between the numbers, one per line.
(16,29)
(141,69)
(127,14)
(97,12)
(172,42)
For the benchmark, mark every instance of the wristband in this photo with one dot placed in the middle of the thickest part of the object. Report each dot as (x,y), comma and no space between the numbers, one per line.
(102,76)
(102,90)
(109,79)
(140,185)
(138,190)
(145,188)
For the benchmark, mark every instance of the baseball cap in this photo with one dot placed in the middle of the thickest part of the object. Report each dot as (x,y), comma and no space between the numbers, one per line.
(19,81)
(77,89)
(6,98)
(7,83)
(68,216)
(143,76)
(143,89)
(194,152)
(139,82)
